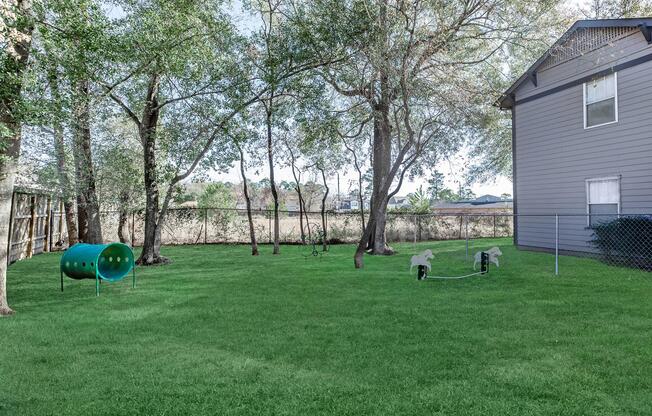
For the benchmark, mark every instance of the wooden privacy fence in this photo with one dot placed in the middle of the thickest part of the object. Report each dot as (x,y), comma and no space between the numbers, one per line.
(36,224)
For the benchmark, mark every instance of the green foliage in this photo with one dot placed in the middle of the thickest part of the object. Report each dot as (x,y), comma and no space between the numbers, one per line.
(447,194)
(626,240)
(419,202)
(465,193)
(216,195)
(435,185)
(616,9)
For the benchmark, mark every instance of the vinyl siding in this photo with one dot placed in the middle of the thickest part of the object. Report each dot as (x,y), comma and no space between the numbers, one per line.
(624,50)
(555,155)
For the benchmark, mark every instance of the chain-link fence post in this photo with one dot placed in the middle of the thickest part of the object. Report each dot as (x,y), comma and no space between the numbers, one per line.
(556,245)
(466,232)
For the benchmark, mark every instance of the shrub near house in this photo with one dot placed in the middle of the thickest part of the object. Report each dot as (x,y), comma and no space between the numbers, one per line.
(626,241)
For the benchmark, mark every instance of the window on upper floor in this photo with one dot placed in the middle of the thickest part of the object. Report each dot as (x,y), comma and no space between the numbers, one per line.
(602,199)
(601,101)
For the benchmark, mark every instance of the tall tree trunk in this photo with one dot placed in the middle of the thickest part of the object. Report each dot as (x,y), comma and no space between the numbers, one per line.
(123,216)
(382,161)
(358,258)
(382,146)
(86,175)
(361,201)
(272,182)
(82,218)
(323,211)
(15,61)
(151,253)
(245,188)
(59,149)
(301,209)
(7,175)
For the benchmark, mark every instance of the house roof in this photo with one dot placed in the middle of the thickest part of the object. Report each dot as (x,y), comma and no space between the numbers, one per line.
(481,200)
(644,24)
(466,205)
(485,199)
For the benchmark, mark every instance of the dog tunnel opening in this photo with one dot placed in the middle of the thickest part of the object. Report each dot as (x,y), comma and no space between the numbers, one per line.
(114,262)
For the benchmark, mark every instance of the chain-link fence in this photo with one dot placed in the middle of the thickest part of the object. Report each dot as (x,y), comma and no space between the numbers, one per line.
(616,239)
(218,225)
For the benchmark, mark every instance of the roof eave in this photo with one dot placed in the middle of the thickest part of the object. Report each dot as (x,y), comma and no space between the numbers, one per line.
(506,101)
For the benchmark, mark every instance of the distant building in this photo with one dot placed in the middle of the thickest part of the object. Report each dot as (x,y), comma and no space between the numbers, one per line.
(485,204)
(398,202)
(350,203)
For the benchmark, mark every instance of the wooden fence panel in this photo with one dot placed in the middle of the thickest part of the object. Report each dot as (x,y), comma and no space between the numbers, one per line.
(37,225)
(20,242)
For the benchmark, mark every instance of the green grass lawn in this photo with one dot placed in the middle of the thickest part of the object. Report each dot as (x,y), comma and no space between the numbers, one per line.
(221,333)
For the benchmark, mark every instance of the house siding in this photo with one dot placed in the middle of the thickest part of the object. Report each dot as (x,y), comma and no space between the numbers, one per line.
(555,155)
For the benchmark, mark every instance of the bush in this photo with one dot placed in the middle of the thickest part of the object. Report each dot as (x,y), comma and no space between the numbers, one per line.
(625,241)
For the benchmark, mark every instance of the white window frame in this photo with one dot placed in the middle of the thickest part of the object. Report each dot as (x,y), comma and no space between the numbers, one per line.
(615,74)
(588,197)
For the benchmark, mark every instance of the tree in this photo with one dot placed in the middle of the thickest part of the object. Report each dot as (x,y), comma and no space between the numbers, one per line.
(355,144)
(272,56)
(245,190)
(181,58)
(119,170)
(490,132)
(419,202)
(447,194)
(465,193)
(324,226)
(16,28)
(57,120)
(435,185)
(280,58)
(616,9)
(72,31)
(220,196)
(296,173)
(216,195)
(405,59)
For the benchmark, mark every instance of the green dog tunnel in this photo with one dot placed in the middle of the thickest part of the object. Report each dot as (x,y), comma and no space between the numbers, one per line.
(110,262)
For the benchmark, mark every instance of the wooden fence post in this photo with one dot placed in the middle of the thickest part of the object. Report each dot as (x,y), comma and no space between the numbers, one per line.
(494,225)
(48,229)
(11,226)
(32,220)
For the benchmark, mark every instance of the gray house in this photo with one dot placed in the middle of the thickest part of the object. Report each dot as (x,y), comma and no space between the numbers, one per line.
(582,132)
